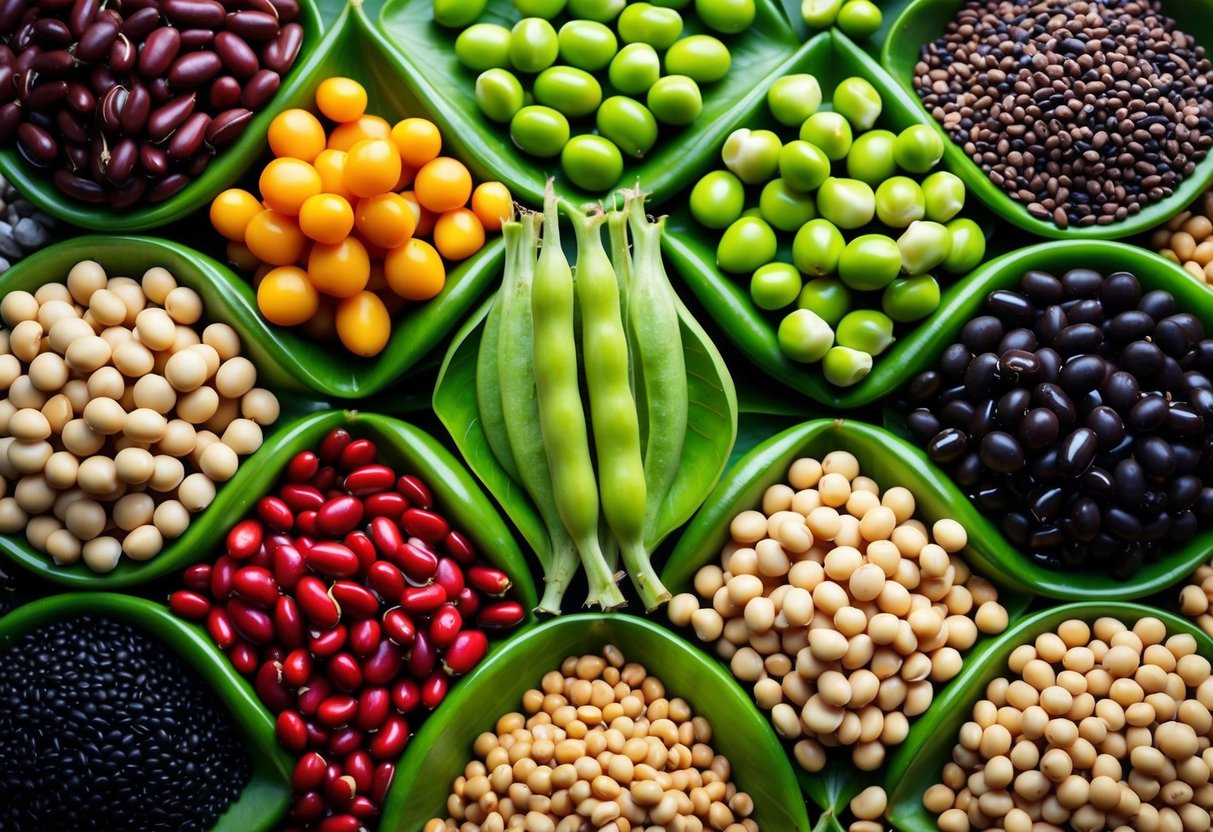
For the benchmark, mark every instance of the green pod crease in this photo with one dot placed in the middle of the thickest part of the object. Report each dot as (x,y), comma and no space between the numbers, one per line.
(561,415)
(488,383)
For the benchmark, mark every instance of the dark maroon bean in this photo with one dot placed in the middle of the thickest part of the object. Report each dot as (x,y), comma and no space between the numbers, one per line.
(280,53)
(54,63)
(159,51)
(153,160)
(141,24)
(194,69)
(259,89)
(82,15)
(947,445)
(136,110)
(188,138)
(287,10)
(46,95)
(51,33)
(983,419)
(197,163)
(77,155)
(10,13)
(1082,374)
(168,117)
(924,386)
(159,90)
(254,25)
(982,334)
(227,126)
(167,186)
(122,160)
(7,57)
(1081,283)
(101,80)
(1130,482)
(192,39)
(224,94)
(80,98)
(236,54)
(109,109)
(37,143)
(122,55)
(96,41)
(1077,339)
(10,117)
(1050,364)
(1000,452)
(79,188)
(1042,288)
(128,193)
(71,126)
(1010,307)
(1098,483)
(202,13)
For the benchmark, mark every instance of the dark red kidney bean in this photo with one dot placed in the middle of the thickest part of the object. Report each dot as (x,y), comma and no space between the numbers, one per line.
(312,596)
(340,823)
(318,690)
(141,24)
(469,647)
(333,443)
(270,688)
(459,547)
(227,126)
(136,110)
(192,39)
(152,159)
(97,161)
(422,658)
(332,559)
(324,479)
(159,89)
(399,627)
(197,577)
(81,15)
(273,653)
(187,139)
(236,54)
(365,636)
(25,58)
(305,521)
(275,513)
(289,567)
(205,13)
(308,807)
(221,578)
(340,790)
(417,562)
(501,614)
(291,731)
(259,89)
(123,157)
(52,33)
(374,703)
(224,95)
(111,14)
(467,601)
(167,187)
(256,585)
(169,116)
(297,667)
(326,643)
(355,599)
(302,467)
(244,539)
(357,454)
(53,63)
(10,13)
(255,625)
(389,741)
(194,69)
(422,600)
(8,58)
(301,497)
(344,672)
(45,96)
(339,516)
(196,164)
(445,626)
(128,193)
(122,55)
(433,689)
(95,43)
(337,710)
(361,546)
(386,580)
(415,491)
(426,525)
(369,479)
(346,741)
(189,605)
(387,504)
(287,10)
(386,535)
(384,665)
(80,98)
(243,657)
(382,781)
(406,695)
(254,25)
(309,772)
(359,765)
(488,580)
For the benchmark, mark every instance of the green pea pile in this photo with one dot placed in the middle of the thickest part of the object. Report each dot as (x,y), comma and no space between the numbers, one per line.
(857,18)
(581,81)
(839,174)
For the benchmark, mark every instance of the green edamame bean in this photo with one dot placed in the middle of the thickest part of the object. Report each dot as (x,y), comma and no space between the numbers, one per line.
(456,13)
(572,91)
(899,201)
(918,148)
(587,44)
(865,330)
(859,19)
(870,158)
(727,16)
(924,245)
(499,94)
(793,98)
(817,247)
(745,245)
(629,124)
(910,298)
(858,101)
(675,99)
(775,286)
(870,261)
(829,297)
(803,166)
(753,212)
(753,155)
(483,46)
(601,11)
(635,69)
(830,132)
(968,246)
(591,162)
(702,58)
(845,367)
(646,23)
(539,131)
(820,14)
(848,203)
(717,199)
(547,9)
(533,45)
(805,337)
(944,194)
(784,208)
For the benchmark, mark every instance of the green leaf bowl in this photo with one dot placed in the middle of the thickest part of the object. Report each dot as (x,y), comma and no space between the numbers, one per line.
(437,754)
(424,52)
(919,763)
(1004,273)
(690,248)
(266,797)
(925,20)
(35,184)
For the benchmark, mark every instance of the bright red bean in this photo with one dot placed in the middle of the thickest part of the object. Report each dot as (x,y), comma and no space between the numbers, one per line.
(288,623)
(488,580)
(361,767)
(445,626)
(340,515)
(313,598)
(297,668)
(459,547)
(387,581)
(363,807)
(369,479)
(389,741)
(333,444)
(189,605)
(356,454)
(344,672)
(399,627)
(337,710)
(289,566)
(308,807)
(388,504)
(219,625)
(450,576)
(255,625)
(317,737)
(256,586)
(305,522)
(221,578)
(433,689)
(385,665)
(291,731)
(426,525)
(467,602)
(501,614)
(386,535)
(346,741)
(198,577)
(302,467)
(309,772)
(365,636)
(271,689)
(422,600)
(465,653)
(244,539)
(324,479)
(415,491)
(300,497)
(340,791)
(373,706)
(261,558)
(318,690)
(406,695)
(340,823)
(382,781)
(326,643)
(243,657)
(275,513)
(361,546)
(416,561)
(355,599)
(332,559)
(422,658)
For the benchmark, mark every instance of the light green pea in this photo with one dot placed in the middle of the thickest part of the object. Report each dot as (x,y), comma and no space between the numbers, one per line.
(601,11)
(924,245)
(572,91)
(752,154)
(587,44)
(539,131)
(817,247)
(820,14)
(784,208)
(717,199)
(858,101)
(845,367)
(869,262)
(829,297)
(910,298)
(457,13)
(534,45)
(499,94)
(755,212)
(775,286)
(866,330)
(918,148)
(830,131)
(746,245)
(805,337)
(591,163)
(803,166)
(944,194)
(675,99)
(968,246)
(702,58)
(629,124)
(848,203)
(634,69)
(547,9)
(899,201)
(870,158)
(483,46)
(860,19)
(793,98)
(726,16)
(654,25)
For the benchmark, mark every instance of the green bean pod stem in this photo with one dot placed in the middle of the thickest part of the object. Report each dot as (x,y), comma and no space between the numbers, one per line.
(519,404)
(621,482)
(662,394)
(488,384)
(561,415)
(621,262)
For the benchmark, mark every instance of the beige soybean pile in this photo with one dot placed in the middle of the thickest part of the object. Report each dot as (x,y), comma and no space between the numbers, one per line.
(1196,598)
(840,609)
(121,414)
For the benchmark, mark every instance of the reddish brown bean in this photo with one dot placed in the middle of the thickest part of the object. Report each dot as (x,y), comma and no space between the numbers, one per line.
(389,740)
(488,580)
(255,625)
(189,605)
(54,63)
(337,710)
(369,479)
(192,39)
(445,626)
(77,187)
(224,93)
(382,781)
(289,566)
(141,24)
(308,807)
(256,585)
(467,601)
(386,580)
(434,688)
(355,599)
(281,52)
(340,823)
(287,10)
(187,139)
(386,535)
(502,614)
(194,69)
(160,49)
(406,695)
(204,13)
(301,497)
(226,126)
(423,600)
(422,658)
(197,577)
(169,116)
(386,504)
(288,623)
(96,41)
(339,515)
(344,672)
(384,665)
(459,547)
(271,689)
(243,657)
(331,559)
(318,690)
(219,625)
(450,577)
(122,55)
(152,159)
(415,491)
(417,562)
(359,765)
(254,25)
(45,96)
(236,54)
(71,126)
(297,668)
(167,187)
(81,15)
(365,636)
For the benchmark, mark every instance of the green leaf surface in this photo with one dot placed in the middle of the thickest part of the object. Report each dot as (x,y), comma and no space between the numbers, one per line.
(426,54)
(266,797)
(925,20)
(440,750)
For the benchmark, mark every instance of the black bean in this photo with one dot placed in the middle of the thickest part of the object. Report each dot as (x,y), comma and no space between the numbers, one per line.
(1142,359)
(1184,526)
(1098,482)
(1130,326)
(969,471)
(947,445)
(1130,483)
(1055,399)
(1021,339)
(982,334)
(1158,304)
(1148,414)
(1122,523)
(923,424)
(1085,519)
(954,361)
(1077,451)
(1204,503)
(1086,312)
(1187,458)
(1201,401)
(1108,426)
(1012,407)
(957,414)
(1019,366)
(924,386)
(1155,456)
(1000,452)
(1171,338)
(1042,288)
(1184,420)
(1046,503)
(1010,307)
(980,376)
(1190,324)
(1120,391)
(1050,364)
(1081,283)
(1052,321)
(1077,339)
(1039,428)
(1172,376)
(1183,492)
(1017,527)
(1121,291)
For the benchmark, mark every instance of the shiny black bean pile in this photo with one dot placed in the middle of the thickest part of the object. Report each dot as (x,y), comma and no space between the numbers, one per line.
(102,728)
(1076,411)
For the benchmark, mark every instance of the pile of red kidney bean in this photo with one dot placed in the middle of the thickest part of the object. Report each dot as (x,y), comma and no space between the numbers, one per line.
(351,603)
(128,102)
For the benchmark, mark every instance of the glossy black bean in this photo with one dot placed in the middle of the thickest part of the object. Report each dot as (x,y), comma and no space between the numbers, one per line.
(1001,452)
(1183,491)
(1077,339)
(1044,466)
(1155,456)
(1012,407)
(1105,546)
(948,394)
(1098,482)
(1130,326)
(1142,359)
(1157,304)
(982,334)
(1048,536)
(1203,358)
(1020,338)
(1190,324)
(1204,503)
(1120,391)
(1017,527)
(1086,312)
(1184,526)
(1077,451)
(1082,374)
(1148,414)
(1171,379)
(969,471)
(1042,288)
(924,386)
(1108,426)
(983,418)
(922,424)
(1054,398)
(1120,291)
(980,376)
(1052,321)
(1184,421)
(1017,366)
(1081,283)
(1122,523)
(1171,338)
(1039,428)
(1084,519)
(1130,483)
(947,445)
(1010,307)
(1127,563)
(957,414)
(1046,503)
(1050,364)
(1155,527)
(1201,401)
(1187,458)
(954,361)
(991,498)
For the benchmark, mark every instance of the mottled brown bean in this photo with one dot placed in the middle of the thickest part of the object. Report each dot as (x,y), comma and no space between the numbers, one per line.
(194,69)
(259,89)
(168,117)
(237,56)
(159,51)
(227,126)
(187,138)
